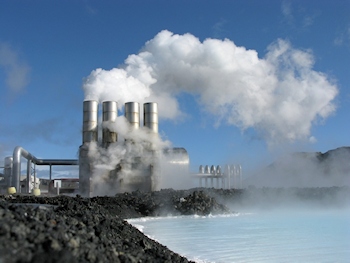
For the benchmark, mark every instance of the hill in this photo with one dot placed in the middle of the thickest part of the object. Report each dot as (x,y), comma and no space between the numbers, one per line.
(306,169)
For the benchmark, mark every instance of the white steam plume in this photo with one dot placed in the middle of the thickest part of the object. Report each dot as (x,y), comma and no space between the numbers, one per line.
(17,72)
(280,95)
(140,143)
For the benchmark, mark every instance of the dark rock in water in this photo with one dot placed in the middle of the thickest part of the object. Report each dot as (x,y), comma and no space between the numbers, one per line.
(199,203)
(76,229)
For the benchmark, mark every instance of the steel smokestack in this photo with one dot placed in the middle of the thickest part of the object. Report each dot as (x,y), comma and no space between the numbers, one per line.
(90,112)
(90,134)
(109,114)
(150,116)
(132,114)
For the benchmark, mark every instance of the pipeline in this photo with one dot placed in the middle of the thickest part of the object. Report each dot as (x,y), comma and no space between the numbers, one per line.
(16,169)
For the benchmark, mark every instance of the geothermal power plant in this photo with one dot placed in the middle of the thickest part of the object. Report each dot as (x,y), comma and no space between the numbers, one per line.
(141,164)
(140,169)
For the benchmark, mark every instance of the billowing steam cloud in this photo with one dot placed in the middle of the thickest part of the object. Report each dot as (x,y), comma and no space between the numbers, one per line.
(280,95)
(139,142)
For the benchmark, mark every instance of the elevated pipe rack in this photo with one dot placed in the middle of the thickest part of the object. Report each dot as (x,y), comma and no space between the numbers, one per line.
(16,168)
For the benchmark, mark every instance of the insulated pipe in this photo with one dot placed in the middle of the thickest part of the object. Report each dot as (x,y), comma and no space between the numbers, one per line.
(29,179)
(109,115)
(132,114)
(34,185)
(16,171)
(150,116)
(90,113)
(20,152)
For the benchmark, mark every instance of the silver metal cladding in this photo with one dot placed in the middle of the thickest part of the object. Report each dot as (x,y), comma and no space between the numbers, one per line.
(85,172)
(132,114)
(218,170)
(201,169)
(150,116)
(213,169)
(109,114)
(19,152)
(109,109)
(8,163)
(207,169)
(90,113)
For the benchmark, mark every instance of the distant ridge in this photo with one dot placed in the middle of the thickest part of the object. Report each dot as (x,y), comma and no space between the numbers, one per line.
(306,169)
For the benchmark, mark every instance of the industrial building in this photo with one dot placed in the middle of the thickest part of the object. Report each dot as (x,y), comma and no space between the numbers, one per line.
(141,164)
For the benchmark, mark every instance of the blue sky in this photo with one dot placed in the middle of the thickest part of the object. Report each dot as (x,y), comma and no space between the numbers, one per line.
(47,49)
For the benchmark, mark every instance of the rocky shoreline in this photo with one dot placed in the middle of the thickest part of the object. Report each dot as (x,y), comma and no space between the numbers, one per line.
(77,229)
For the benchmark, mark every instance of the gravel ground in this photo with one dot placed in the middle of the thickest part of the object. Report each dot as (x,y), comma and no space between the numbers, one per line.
(75,229)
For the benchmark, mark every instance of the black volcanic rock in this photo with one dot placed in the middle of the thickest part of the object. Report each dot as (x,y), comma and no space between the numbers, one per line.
(73,230)
(76,229)
(199,203)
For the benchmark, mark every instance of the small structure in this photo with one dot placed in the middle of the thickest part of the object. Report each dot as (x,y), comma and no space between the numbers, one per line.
(230,178)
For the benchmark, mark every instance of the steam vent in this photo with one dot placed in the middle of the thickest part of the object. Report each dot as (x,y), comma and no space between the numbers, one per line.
(140,167)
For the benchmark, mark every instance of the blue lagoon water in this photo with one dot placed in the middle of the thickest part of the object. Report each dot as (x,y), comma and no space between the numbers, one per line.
(275,236)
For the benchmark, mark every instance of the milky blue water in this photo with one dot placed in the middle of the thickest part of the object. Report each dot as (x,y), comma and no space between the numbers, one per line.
(279,236)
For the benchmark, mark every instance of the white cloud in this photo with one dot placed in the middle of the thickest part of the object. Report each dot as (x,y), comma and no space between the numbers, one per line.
(298,17)
(343,38)
(286,9)
(17,72)
(218,27)
(280,95)
(91,10)
(308,20)
(312,139)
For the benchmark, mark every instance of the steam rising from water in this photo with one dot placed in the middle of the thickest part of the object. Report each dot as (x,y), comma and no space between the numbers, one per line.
(306,170)
(279,95)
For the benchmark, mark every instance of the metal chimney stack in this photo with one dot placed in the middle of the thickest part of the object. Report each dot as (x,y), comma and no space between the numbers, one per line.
(109,115)
(132,114)
(90,112)
(150,120)
(90,134)
(150,116)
